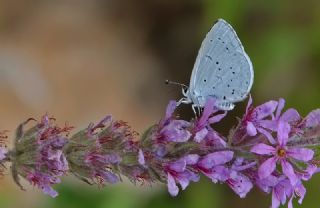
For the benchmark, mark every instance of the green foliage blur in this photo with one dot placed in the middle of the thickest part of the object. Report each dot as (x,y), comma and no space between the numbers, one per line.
(282,39)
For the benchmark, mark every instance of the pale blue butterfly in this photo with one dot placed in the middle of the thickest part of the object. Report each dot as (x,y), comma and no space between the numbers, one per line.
(222,71)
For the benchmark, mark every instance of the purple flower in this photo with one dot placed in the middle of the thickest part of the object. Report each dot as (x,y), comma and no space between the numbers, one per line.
(43,181)
(266,184)
(172,130)
(283,190)
(178,172)
(238,181)
(212,165)
(213,139)
(176,152)
(290,116)
(202,125)
(98,149)
(308,172)
(298,191)
(41,160)
(281,153)
(175,131)
(255,119)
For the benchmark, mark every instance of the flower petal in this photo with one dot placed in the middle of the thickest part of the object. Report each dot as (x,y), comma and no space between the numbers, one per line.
(302,154)
(200,135)
(170,108)
(109,177)
(184,182)
(290,202)
(179,165)
(269,124)
(280,107)
(300,191)
(218,173)
(208,110)
(249,104)
(50,191)
(215,139)
(240,184)
(283,133)
(169,112)
(251,129)
(216,158)
(185,177)
(291,115)
(275,200)
(176,131)
(313,119)
(267,183)
(307,174)
(217,118)
(288,170)
(172,186)
(192,159)
(267,167)
(267,134)
(141,159)
(3,152)
(263,149)
(266,109)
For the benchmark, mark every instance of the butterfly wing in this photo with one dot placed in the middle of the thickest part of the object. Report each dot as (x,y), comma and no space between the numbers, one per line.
(222,69)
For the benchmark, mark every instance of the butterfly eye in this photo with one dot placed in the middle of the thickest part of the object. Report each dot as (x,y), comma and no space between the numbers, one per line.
(185,89)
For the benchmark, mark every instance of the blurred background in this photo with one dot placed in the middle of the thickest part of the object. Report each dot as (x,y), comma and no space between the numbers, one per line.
(80,60)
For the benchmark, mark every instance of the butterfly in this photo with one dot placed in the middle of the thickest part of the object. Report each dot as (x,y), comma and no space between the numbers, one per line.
(222,71)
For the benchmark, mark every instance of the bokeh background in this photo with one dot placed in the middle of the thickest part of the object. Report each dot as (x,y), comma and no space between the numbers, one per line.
(80,60)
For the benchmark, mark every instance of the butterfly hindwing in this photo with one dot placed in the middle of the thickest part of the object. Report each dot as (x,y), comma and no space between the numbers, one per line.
(222,69)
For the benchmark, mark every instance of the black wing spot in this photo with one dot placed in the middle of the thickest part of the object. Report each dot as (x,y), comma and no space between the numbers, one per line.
(217,62)
(224,97)
(222,41)
(233,72)
(227,48)
(228,85)
(213,87)
(219,38)
(231,80)
(205,80)
(219,69)
(247,82)
(209,57)
(210,40)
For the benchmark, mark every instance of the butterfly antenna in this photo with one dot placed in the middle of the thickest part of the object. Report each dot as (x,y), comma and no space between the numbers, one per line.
(176,83)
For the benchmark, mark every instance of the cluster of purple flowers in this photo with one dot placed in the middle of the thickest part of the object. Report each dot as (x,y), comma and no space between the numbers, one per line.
(270,149)
(101,152)
(37,155)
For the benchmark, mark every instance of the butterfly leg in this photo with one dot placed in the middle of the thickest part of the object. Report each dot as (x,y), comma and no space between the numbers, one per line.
(196,110)
(184,101)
